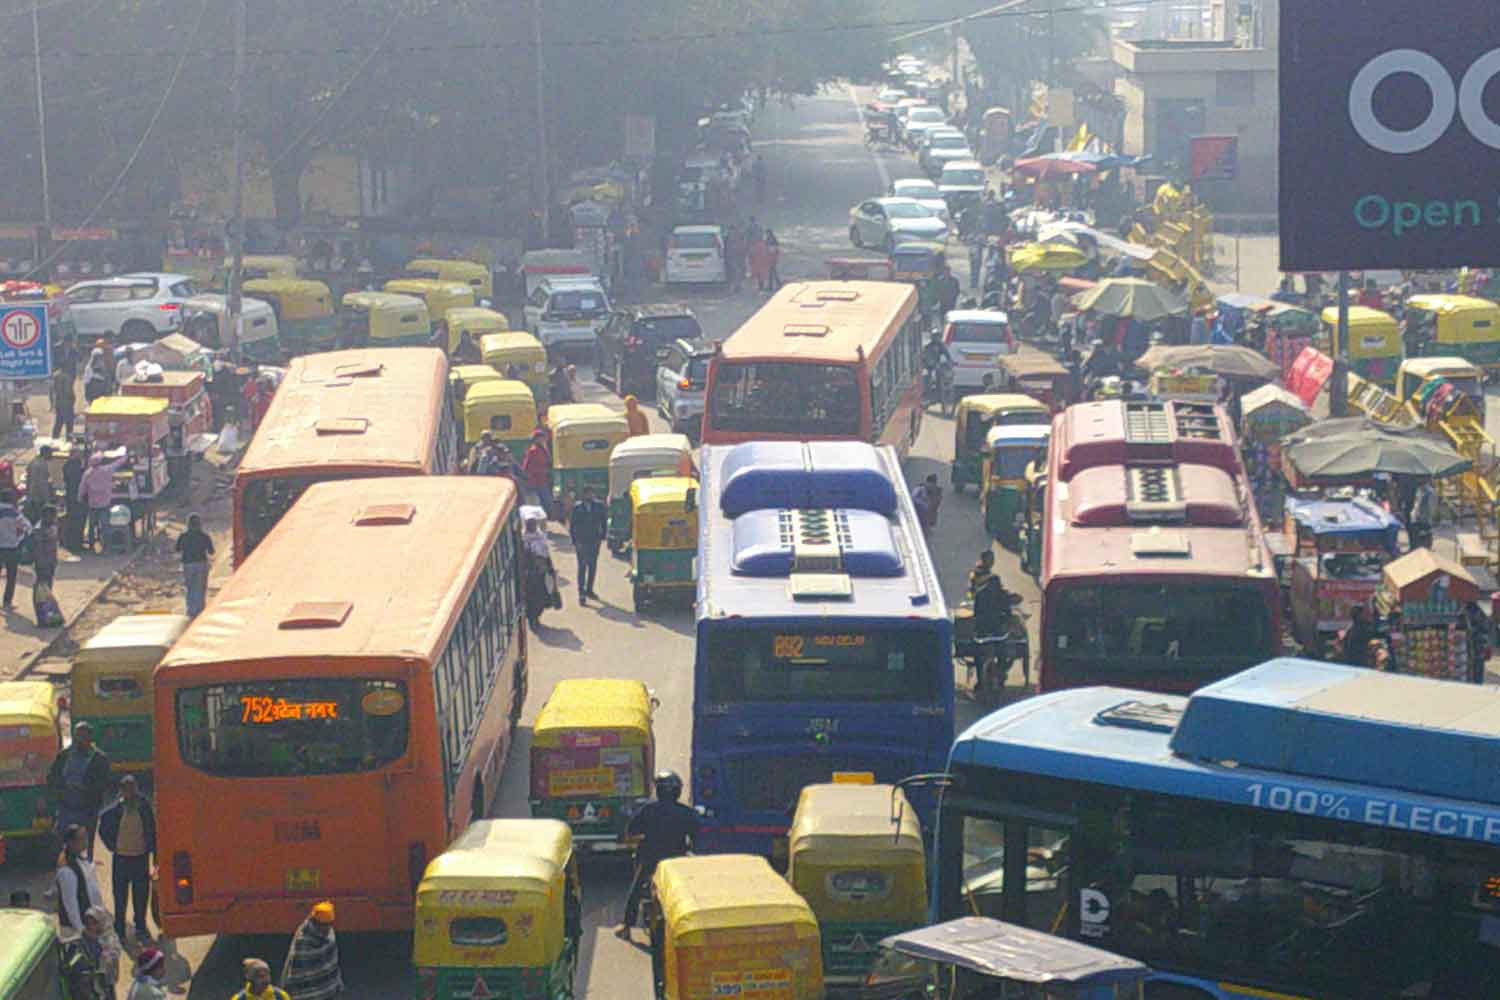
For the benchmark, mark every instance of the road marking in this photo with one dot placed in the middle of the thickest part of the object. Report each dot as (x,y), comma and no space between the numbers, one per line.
(885,177)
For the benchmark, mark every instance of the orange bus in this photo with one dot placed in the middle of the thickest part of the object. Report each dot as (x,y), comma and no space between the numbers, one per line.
(344,415)
(342,709)
(822,361)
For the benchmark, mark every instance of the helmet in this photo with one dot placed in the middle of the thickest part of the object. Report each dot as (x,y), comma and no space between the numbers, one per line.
(668,786)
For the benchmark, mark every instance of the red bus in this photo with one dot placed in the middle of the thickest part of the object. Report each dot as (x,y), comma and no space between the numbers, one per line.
(1155,570)
(342,709)
(822,361)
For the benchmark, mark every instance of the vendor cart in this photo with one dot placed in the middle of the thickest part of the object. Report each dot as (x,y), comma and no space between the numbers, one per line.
(1340,548)
(137,427)
(1425,598)
(187,402)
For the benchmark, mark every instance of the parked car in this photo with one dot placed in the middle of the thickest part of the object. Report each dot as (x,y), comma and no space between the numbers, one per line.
(884,222)
(695,255)
(919,120)
(922,191)
(943,147)
(131,308)
(567,312)
(961,182)
(635,340)
(682,384)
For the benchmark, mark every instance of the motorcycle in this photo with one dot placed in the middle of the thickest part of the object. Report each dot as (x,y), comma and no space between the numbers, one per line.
(938,384)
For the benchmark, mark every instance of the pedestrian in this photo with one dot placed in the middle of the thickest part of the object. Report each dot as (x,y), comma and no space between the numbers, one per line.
(195,547)
(65,359)
(480,454)
(258,982)
(1357,638)
(1423,515)
(934,495)
(44,569)
(96,490)
(635,417)
(536,468)
(39,482)
(758,178)
(312,971)
(1059,309)
(559,385)
(77,781)
(91,961)
(947,290)
(60,393)
(77,882)
(773,262)
(760,260)
(13,530)
(95,376)
(128,830)
(125,367)
(76,510)
(735,247)
(149,966)
(587,527)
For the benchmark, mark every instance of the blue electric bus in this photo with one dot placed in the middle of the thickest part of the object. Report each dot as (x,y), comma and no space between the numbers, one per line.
(823,642)
(1300,829)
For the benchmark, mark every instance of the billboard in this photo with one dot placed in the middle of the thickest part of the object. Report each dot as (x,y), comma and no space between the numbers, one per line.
(1390,134)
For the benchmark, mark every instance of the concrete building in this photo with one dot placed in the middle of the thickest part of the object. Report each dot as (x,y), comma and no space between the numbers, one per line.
(1214,74)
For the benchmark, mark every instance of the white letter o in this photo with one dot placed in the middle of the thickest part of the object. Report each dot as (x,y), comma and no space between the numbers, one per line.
(1439,83)
(1471,99)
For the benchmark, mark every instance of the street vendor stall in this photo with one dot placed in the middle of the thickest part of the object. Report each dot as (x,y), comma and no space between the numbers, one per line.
(137,427)
(1339,549)
(1425,597)
(1267,415)
(187,402)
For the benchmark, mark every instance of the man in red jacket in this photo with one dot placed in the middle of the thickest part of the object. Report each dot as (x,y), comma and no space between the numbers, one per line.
(536,466)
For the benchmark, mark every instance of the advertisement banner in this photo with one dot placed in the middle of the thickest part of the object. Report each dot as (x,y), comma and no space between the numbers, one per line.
(1390,135)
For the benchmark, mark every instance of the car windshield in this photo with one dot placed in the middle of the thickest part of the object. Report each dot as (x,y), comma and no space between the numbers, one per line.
(968,177)
(787,398)
(907,210)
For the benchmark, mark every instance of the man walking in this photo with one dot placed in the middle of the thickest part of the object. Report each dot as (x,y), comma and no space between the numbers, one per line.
(13,530)
(128,829)
(76,511)
(312,963)
(536,466)
(78,780)
(63,403)
(587,529)
(195,547)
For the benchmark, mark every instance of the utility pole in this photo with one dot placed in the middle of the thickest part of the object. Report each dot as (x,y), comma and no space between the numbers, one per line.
(544,187)
(1338,382)
(234,299)
(1051,44)
(41,116)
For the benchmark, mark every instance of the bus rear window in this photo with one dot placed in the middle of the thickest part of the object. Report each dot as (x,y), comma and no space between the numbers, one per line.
(786,398)
(1177,624)
(286,728)
(792,665)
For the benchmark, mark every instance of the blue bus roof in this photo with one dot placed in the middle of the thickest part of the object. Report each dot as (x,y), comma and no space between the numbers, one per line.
(767,475)
(1341,517)
(1295,735)
(912,592)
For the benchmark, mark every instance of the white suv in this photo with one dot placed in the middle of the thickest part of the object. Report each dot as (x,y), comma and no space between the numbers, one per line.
(695,254)
(567,312)
(131,308)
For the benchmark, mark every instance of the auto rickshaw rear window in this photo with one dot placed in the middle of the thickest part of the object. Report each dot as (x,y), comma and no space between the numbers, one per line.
(478,932)
(113,688)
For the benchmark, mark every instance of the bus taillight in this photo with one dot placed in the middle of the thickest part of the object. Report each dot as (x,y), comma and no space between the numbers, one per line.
(182,877)
(416,862)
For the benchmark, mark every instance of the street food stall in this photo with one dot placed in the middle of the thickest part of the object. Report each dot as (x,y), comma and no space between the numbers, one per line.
(1340,548)
(137,428)
(187,400)
(1425,596)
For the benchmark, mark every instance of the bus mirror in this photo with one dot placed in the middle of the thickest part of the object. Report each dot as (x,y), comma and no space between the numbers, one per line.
(690,500)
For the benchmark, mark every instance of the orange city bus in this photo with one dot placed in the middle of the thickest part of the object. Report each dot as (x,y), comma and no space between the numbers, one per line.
(342,709)
(344,415)
(822,361)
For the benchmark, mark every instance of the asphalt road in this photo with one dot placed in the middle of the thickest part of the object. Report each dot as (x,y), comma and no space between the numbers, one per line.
(818,167)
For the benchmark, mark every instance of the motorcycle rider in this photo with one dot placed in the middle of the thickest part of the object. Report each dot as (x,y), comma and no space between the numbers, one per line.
(992,607)
(935,355)
(666,829)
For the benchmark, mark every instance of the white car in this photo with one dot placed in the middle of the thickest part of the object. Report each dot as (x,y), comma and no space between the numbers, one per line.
(884,222)
(567,312)
(975,338)
(960,179)
(944,147)
(919,120)
(924,192)
(130,308)
(695,255)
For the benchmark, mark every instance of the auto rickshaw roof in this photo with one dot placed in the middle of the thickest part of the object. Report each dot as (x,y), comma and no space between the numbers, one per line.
(135,632)
(711,892)
(1449,305)
(213,302)
(28,936)
(127,406)
(652,450)
(1359,316)
(287,286)
(271,261)
(918,246)
(468,317)
(1029,363)
(582,416)
(838,819)
(373,301)
(591,704)
(991,403)
(522,855)
(447,263)
(28,700)
(511,340)
(1456,367)
(1009,952)
(470,374)
(507,390)
(427,286)
(654,492)
(1014,435)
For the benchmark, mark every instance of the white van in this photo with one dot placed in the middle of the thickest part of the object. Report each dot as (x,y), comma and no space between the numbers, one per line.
(975,338)
(566,312)
(695,255)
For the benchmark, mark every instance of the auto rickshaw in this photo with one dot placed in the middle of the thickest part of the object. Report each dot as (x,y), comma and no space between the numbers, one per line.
(476,321)
(205,320)
(1463,375)
(917,260)
(632,459)
(467,272)
(979,957)
(462,378)
(29,954)
(503,407)
(1375,345)
(728,926)
(854,852)
(996,135)
(583,435)
(440,297)
(499,914)
(592,755)
(976,415)
(32,740)
(664,525)
(304,312)
(518,355)
(384,319)
(1034,519)
(1008,451)
(861,269)
(112,684)
(1037,375)
(1454,325)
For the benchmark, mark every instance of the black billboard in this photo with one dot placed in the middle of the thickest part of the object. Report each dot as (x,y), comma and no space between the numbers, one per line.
(1390,134)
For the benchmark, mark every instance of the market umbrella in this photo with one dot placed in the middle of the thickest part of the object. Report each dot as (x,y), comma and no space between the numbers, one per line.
(1053,165)
(1229,360)
(1132,298)
(1047,257)
(1354,447)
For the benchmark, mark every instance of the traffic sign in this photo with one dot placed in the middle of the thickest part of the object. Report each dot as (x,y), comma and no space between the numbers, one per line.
(25,343)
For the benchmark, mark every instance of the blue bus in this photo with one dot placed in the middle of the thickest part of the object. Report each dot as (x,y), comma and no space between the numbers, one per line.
(1300,829)
(823,641)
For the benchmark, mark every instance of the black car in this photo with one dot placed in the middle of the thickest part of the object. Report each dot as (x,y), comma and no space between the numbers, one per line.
(634,340)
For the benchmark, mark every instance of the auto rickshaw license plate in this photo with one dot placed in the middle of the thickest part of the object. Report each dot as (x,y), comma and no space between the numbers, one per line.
(303,879)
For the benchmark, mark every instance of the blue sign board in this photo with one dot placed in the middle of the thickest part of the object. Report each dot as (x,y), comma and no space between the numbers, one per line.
(1390,134)
(25,347)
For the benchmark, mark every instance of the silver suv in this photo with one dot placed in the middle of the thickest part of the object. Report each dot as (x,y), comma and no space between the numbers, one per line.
(133,308)
(682,384)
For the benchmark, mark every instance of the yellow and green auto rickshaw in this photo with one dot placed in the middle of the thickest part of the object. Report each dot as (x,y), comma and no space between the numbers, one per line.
(728,926)
(462,378)
(258,266)
(854,852)
(975,416)
(503,407)
(1034,518)
(440,296)
(384,319)
(917,260)
(592,755)
(1375,346)
(112,684)
(1454,325)
(635,458)
(30,739)
(1465,376)
(518,355)
(304,312)
(29,956)
(1008,451)
(664,528)
(583,435)
(477,322)
(467,272)
(499,914)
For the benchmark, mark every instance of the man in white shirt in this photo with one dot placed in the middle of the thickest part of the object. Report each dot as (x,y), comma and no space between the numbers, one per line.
(125,369)
(77,883)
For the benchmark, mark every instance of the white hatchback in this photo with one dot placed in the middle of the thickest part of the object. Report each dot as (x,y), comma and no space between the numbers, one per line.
(695,255)
(975,338)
